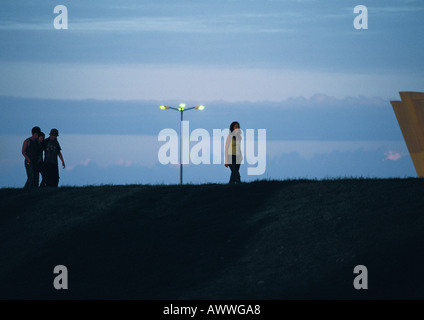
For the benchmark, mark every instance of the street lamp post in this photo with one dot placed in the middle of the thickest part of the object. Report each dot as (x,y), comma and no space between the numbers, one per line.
(181,109)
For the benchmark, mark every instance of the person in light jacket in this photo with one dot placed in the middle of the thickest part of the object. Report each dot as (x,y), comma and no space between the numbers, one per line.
(233,156)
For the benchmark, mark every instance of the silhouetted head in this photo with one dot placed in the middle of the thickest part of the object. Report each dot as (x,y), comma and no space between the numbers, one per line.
(41,136)
(36,130)
(234,125)
(54,132)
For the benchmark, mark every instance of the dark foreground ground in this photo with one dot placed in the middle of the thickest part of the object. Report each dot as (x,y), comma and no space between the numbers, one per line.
(273,240)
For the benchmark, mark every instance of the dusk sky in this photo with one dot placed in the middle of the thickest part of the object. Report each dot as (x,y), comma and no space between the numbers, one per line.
(296,68)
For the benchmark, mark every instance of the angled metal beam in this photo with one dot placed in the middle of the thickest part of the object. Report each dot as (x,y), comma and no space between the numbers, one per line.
(410,116)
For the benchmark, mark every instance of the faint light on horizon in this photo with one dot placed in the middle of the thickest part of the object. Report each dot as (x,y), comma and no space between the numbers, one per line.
(123,162)
(81,163)
(392,156)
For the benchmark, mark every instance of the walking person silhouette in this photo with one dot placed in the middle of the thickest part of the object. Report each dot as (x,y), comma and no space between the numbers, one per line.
(31,151)
(233,156)
(52,151)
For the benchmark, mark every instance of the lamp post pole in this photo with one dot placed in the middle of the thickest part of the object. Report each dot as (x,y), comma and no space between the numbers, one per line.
(181,146)
(182,109)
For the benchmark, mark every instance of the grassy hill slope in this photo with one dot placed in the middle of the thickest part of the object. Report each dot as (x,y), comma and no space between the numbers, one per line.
(294,239)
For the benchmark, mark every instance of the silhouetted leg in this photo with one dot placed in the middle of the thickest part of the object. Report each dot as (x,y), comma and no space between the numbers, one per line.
(56,176)
(43,175)
(238,173)
(235,174)
(30,183)
(36,175)
(50,175)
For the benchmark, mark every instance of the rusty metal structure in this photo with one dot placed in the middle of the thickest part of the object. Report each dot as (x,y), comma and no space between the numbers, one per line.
(409,112)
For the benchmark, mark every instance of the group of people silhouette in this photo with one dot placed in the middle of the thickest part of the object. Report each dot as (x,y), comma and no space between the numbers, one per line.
(41,158)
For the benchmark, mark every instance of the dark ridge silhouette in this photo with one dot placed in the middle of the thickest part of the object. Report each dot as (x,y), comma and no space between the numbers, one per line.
(292,239)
